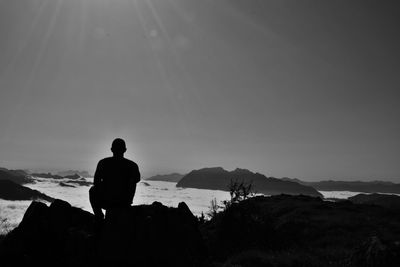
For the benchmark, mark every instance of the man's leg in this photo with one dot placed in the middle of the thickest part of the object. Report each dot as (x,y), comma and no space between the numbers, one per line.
(95,197)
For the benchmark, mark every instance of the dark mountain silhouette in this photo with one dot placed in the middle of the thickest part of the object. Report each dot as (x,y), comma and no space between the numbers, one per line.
(47,175)
(17,176)
(73,176)
(387,201)
(353,186)
(79,182)
(219,179)
(146,235)
(12,191)
(65,184)
(73,172)
(173,177)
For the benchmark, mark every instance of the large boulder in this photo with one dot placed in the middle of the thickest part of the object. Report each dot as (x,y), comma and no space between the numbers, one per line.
(145,235)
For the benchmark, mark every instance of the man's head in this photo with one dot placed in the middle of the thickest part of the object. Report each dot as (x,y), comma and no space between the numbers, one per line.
(118,147)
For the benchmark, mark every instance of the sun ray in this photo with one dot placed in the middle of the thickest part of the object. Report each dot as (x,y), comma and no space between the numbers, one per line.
(24,43)
(156,57)
(191,88)
(25,90)
(162,69)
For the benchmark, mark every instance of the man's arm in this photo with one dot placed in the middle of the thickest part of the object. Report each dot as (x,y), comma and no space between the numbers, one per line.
(98,174)
(134,179)
(136,174)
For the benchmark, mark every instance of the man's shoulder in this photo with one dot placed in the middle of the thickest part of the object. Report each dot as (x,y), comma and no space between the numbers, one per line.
(131,163)
(105,161)
(112,161)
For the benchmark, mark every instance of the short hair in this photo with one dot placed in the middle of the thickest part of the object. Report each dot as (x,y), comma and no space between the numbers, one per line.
(118,145)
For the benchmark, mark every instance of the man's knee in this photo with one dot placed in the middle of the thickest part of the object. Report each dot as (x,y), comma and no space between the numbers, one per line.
(92,192)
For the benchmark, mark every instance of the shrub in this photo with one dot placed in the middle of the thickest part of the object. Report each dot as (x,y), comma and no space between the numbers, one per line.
(238,191)
(213,210)
(5,226)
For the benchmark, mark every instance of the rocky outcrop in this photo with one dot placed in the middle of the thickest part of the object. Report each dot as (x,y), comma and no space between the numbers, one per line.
(303,231)
(220,179)
(280,230)
(146,235)
(73,176)
(374,252)
(65,185)
(12,191)
(81,182)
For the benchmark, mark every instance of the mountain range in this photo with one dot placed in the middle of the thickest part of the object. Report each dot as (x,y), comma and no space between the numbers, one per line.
(74,172)
(219,179)
(353,186)
(173,177)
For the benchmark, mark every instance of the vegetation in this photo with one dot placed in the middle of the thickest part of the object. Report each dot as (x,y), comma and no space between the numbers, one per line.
(214,208)
(5,228)
(238,191)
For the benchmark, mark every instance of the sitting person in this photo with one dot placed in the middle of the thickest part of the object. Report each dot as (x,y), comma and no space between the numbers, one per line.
(114,181)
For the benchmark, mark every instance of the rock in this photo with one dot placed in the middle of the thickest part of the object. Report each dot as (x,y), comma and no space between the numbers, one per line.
(65,184)
(145,235)
(73,176)
(375,253)
(80,182)
(305,229)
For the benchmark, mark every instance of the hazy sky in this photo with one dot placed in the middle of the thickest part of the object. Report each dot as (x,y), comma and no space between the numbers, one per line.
(306,89)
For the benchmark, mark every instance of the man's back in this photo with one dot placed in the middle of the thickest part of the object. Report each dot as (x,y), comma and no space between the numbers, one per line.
(114,181)
(117,177)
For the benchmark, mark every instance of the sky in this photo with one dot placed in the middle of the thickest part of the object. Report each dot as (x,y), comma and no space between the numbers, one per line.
(306,89)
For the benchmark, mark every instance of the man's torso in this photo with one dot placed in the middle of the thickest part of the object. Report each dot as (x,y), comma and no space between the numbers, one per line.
(117,176)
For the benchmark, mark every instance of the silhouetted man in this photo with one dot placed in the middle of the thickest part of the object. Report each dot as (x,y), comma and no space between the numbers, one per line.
(114,181)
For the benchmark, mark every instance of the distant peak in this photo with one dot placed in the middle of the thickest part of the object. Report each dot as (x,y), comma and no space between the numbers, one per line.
(213,169)
(239,170)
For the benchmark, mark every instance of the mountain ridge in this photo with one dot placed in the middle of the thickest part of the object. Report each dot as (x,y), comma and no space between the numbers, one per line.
(10,190)
(172,177)
(217,178)
(353,186)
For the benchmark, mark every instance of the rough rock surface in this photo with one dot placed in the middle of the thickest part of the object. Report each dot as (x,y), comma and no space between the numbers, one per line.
(146,235)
